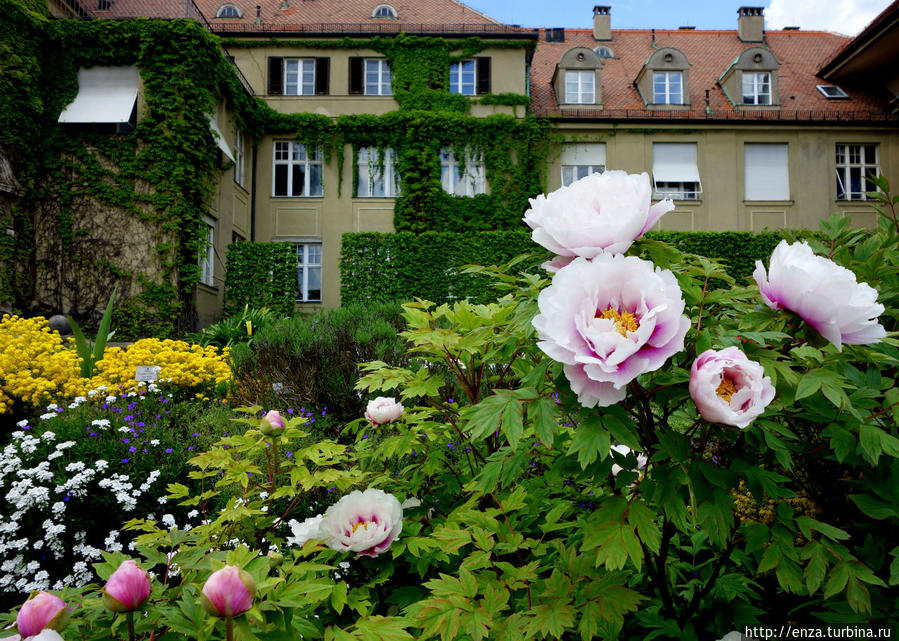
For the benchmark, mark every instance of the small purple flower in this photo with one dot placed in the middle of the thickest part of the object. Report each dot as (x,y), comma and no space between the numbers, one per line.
(168,450)
(289,411)
(289,454)
(190,447)
(125,440)
(195,434)
(124,460)
(132,449)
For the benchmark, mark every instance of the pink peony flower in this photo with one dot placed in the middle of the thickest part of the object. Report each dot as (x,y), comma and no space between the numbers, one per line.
(43,610)
(598,213)
(383,410)
(610,320)
(228,592)
(272,422)
(729,388)
(824,294)
(363,522)
(127,588)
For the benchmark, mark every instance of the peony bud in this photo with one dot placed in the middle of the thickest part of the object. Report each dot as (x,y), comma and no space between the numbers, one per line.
(127,588)
(271,423)
(383,410)
(228,592)
(42,610)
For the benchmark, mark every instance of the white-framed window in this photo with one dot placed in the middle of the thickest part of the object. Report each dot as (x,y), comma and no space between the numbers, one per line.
(462,77)
(299,77)
(766,171)
(855,164)
(228,11)
(579,87)
(378,80)
(374,180)
(239,177)
(309,272)
(295,171)
(675,173)
(384,12)
(580,160)
(668,87)
(756,88)
(470,182)
(207,255)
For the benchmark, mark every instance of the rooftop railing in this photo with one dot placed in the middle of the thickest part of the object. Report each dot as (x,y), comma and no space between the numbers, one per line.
(127,9)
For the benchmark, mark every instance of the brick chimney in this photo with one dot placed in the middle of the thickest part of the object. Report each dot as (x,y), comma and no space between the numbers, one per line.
(602,23)
(751,24)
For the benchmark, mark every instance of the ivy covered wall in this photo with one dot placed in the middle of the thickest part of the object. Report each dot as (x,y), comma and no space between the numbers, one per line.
(103,209)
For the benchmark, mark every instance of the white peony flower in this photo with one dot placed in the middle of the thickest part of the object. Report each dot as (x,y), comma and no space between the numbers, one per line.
(610,320)
(305,531)
(363,522)
(383,410)
(825,295)
(598,213)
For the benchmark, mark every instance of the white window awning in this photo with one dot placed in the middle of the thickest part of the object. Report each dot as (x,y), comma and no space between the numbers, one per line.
(675,163)
(584,154)
(219,137)
(105,95)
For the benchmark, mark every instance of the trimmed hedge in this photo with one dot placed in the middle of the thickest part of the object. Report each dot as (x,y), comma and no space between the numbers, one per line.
(404,265)
(261,275)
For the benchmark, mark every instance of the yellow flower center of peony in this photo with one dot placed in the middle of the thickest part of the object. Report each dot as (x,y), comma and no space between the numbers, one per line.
(726,389)
(624,322)
(364,525)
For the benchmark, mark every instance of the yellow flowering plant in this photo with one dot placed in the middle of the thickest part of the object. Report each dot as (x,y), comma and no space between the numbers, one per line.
(37,366)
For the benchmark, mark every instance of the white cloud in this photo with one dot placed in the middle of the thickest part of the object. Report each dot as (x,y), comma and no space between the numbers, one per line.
(842,16)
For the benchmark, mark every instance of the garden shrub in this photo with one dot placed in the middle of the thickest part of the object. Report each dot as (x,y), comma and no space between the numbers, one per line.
(237,328)
(315,360)
(405,266)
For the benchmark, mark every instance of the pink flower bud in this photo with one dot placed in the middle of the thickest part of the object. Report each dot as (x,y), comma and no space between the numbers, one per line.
(228,592)
(729,388)
(43,610)
(271,422)
(127,588)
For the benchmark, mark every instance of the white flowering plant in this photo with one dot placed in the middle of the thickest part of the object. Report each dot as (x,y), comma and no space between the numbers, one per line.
(578,477)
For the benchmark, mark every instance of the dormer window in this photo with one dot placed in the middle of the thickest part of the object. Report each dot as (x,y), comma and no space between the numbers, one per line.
(577,78)
(228,11)
(604,52)
(756,88)
(384,12)
(663,80)
(751,81)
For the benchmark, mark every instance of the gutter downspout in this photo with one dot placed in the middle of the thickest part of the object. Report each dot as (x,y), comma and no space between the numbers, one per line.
(253,196)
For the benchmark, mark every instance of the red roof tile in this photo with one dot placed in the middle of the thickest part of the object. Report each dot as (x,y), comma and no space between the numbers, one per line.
(340,16)
(800,53)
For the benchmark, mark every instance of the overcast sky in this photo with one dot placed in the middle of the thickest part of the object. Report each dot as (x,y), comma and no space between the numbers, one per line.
(842,16)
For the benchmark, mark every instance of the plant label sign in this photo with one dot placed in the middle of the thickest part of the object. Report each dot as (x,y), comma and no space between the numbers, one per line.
(147,373)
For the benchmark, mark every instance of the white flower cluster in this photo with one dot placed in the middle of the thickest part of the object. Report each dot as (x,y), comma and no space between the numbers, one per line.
(34,496)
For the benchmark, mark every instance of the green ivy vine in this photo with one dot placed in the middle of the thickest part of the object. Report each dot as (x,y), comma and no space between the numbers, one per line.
(430,118)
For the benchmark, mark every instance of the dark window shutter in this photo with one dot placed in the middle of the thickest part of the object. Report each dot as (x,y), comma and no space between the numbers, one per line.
(275,75)
(483,74)
(357,76)
(322,76)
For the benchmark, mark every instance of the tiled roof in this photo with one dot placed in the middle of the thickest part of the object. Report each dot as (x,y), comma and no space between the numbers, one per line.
(800,53)
(341,16)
